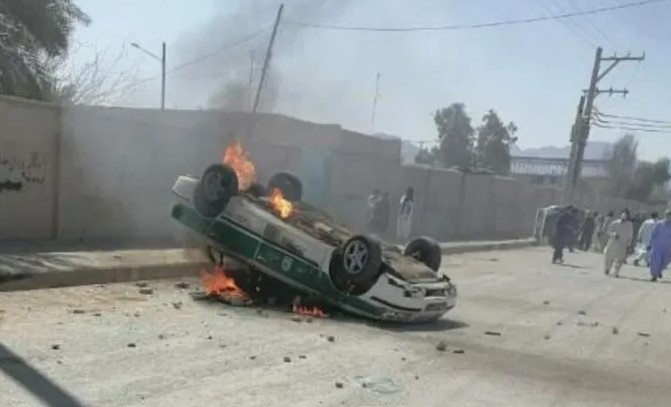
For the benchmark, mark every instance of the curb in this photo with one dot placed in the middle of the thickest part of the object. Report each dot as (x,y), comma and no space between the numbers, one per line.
(486,246)
(101,275)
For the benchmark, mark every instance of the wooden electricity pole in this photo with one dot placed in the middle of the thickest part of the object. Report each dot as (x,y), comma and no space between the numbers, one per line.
(264,72)
(581,127)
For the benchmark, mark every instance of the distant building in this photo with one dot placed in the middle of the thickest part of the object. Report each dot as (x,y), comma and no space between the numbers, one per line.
(552,171)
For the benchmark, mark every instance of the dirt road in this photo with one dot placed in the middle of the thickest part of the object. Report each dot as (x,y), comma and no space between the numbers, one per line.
(524,333)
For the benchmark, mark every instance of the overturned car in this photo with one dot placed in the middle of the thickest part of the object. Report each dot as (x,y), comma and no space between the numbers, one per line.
(271,230)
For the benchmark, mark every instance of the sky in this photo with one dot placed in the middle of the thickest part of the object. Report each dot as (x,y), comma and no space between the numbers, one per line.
(531,74)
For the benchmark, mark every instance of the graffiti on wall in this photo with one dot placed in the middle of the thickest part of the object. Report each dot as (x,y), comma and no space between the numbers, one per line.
(17,171)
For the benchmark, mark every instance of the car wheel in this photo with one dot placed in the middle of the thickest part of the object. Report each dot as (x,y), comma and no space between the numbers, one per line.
(425,250)
(289,184)
(216,187)
(360,259)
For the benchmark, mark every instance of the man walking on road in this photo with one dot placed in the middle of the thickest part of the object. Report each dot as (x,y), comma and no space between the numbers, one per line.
(586,232)
(660,247)
(562,234)
(644,235)
(620,234)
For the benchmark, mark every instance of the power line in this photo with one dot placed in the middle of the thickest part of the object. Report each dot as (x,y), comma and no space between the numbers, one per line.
(478,25)
(566,24)
(630,128)
(600,32)
(200,58)
(638,119)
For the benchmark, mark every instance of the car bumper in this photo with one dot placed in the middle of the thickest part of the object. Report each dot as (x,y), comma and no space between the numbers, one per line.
(406,302)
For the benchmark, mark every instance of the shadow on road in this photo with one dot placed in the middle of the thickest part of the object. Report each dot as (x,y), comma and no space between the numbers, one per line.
(645,280)
(13,267)
(34,381)
(435,326)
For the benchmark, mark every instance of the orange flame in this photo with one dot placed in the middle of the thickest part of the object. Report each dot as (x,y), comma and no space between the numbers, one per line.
(237,158)
(279,205)
(219,282)
(310,312)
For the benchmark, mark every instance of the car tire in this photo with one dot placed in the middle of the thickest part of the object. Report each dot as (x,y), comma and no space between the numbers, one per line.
(425,250)
(289,184)
(216,187)
(360,260)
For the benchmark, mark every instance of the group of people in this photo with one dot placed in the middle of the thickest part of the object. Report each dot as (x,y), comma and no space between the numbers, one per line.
(647,238)
(379,213)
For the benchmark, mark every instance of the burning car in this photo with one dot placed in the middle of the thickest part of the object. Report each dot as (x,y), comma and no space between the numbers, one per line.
(271,230)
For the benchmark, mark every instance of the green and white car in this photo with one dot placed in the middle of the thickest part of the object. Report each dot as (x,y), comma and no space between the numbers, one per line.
(310,252)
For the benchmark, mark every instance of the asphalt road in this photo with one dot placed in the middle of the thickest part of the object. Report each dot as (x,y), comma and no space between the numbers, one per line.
(558,336)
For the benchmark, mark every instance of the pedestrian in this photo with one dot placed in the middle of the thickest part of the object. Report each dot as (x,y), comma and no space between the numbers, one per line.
(642,252)
(660,247)
(620,234)
(587,231)
(372,205)
(605,227)
(596,237)
(405,211)
(575,229)
(562,234)
(636,224)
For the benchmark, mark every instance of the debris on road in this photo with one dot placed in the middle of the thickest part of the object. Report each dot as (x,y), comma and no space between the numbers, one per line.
(131,345)
(287,359)
(643,334)
(302,357)
(177,305)
(338,385)
(546,302)
(97,314)
(252,358)
(146,291)
(559,323)
(55,346)
(141,284)
(161,336)
(380,385)
(459,351)
(581,312)
(297,318)
(331,338)
(182,285)
(546,337)
(615,331)
(78,311)
(493,333)
(441,346)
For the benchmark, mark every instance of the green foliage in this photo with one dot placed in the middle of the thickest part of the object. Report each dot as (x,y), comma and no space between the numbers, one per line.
(494,141)
(455,134)
(32,32)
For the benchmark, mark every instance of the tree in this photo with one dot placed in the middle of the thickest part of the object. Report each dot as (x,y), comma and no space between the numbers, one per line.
(96,82)
(621,165)
(427,156)
(494,141)
(31,32)
(455,134)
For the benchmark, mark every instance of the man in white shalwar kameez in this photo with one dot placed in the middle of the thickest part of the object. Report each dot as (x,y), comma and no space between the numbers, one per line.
(644,236)
(620,234)
(405,211)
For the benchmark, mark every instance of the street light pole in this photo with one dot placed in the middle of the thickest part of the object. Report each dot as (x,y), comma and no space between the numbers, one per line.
(160,59)
(163,77)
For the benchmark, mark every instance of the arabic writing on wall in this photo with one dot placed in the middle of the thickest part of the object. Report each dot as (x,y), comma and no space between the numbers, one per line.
(18,171)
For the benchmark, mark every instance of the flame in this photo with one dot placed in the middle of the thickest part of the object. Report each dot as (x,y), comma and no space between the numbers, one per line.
(310,312)
(219,282)
(237,158)
(279,205)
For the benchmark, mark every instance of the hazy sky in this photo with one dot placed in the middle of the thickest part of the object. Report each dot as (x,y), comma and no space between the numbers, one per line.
(531,74)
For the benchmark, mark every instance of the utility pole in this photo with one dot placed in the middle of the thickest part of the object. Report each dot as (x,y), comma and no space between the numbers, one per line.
(250,85)
(264,71)
(160,59)
(163,77)
(581,127)
(377,94)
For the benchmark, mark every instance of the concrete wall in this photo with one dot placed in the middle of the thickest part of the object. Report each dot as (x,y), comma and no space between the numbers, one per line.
(28,134)
(87,173)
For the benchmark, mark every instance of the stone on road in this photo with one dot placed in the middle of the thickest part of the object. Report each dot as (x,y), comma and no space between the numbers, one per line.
(547,354)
